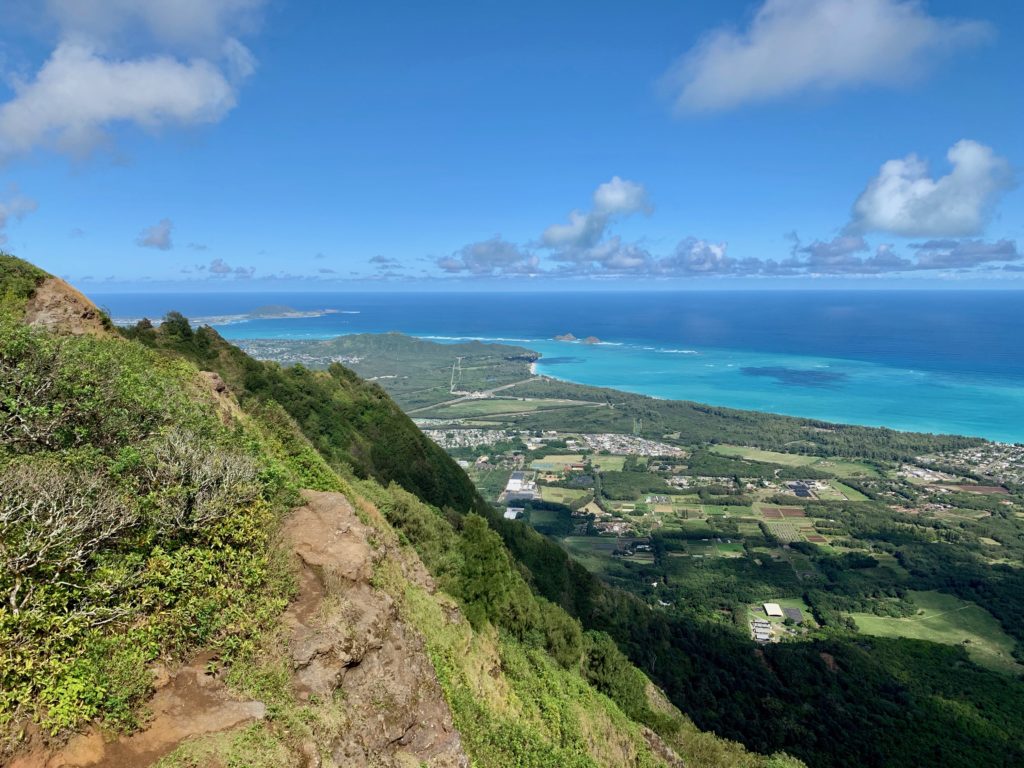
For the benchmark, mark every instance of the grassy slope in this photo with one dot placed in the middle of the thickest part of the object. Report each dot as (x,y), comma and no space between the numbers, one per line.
(18,280)
(949,620)
(351,422)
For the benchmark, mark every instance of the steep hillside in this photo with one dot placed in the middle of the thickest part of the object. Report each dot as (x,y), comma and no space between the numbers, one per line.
(351,422)
(258,566)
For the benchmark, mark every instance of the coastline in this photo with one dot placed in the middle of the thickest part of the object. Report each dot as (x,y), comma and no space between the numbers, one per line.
(863,394)
(837,391)
(913,383)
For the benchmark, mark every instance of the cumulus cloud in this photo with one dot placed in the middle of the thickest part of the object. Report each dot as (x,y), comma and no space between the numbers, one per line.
(221,269)
(78,94)
(695,256)
(905,200)
(157,236)
(795,46)
(615,198)
(584,247)
(963,254)
(385,262)
(15,207)
(87,86)
(490,257)
(841,256)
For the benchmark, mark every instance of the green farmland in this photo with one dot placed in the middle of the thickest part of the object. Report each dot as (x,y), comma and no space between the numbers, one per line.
(947,619)
(838,467)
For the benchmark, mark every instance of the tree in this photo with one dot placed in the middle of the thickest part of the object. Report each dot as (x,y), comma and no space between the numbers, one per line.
(485,582)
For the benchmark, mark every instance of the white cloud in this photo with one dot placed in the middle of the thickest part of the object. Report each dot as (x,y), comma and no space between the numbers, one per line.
(190,24)
(963,254)
(78,94)
(16,207)
(904,200)
(793,46)
(615,198)
(620,196)
(157,236)
(183,67)
(696,256)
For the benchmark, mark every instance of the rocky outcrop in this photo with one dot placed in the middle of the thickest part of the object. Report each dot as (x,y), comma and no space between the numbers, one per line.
(347,640)
(224,401)
(59,308)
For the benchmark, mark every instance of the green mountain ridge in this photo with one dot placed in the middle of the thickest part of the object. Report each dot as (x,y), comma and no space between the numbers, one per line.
(149,491)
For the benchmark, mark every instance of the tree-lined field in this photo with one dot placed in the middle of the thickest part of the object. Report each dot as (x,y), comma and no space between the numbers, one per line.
(946,619)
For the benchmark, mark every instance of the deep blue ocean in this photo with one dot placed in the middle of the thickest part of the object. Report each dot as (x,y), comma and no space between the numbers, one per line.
(935,361)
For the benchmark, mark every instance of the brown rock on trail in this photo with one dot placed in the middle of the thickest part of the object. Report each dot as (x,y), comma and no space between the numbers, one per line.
(347,638)
(59,308)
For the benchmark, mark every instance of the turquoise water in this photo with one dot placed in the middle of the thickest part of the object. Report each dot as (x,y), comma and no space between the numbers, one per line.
(926,361)
(852,391)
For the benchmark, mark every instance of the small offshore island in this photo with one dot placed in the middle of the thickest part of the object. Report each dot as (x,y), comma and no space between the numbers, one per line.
(571,338)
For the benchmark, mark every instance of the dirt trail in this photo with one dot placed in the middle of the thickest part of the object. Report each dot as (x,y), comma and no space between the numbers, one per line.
(192,703)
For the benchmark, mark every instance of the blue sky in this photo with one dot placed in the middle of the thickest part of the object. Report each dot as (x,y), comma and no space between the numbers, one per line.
(251,144)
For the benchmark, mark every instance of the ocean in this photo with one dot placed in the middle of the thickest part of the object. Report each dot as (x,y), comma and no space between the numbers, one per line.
(931,361)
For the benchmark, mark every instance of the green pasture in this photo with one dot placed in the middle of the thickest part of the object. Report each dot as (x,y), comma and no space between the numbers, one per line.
(850,493)
(561,495)
(839,467)
(771,457)
(947,619)
(492,407)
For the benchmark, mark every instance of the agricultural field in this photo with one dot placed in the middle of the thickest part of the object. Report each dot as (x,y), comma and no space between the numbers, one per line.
(838,467)
(947,619)
(557,461)
(466,409)
(770,457)
(490,482)
(561,495)
(594,552)
(850,493)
